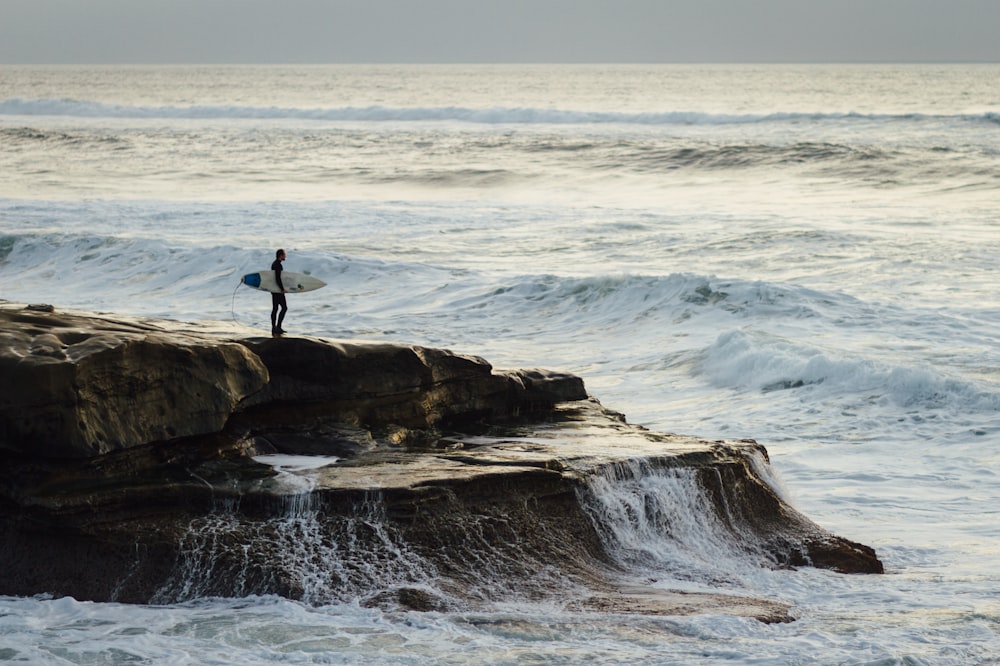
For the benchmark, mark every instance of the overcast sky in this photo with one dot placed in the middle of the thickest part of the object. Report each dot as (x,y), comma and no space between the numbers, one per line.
(471,31)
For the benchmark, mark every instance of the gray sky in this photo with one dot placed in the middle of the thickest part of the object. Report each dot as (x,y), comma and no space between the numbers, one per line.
(469,31)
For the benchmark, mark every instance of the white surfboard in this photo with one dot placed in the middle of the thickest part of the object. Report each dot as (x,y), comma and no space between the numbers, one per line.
(293,282)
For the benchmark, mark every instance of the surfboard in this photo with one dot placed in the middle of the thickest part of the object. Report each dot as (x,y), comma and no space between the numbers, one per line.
(294,282)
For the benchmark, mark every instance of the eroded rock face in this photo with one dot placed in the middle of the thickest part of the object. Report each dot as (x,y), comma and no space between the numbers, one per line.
(76,386)
(79,386)
(381,384)
(131,470)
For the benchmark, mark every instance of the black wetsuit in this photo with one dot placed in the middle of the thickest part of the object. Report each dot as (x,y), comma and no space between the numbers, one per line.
(278,300)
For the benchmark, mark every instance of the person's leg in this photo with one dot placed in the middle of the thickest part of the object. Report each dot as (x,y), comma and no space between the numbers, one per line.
(281,315)
(275,303)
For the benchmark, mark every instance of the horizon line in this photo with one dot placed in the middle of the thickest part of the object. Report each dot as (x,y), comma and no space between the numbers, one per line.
(500,63)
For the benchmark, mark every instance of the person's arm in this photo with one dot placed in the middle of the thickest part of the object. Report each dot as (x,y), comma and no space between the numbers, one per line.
(277,277)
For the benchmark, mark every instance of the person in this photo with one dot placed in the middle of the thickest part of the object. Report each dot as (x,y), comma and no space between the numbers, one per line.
(278,301)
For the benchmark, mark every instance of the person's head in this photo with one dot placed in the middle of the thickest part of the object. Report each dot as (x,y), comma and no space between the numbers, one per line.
(280,255)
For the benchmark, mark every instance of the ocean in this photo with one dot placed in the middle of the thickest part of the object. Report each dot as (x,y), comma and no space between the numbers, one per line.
(802,255)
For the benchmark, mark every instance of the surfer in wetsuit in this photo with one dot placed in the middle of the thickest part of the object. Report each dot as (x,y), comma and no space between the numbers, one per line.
(278,299)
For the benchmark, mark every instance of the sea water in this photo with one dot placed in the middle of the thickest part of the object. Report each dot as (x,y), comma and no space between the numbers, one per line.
(803,255)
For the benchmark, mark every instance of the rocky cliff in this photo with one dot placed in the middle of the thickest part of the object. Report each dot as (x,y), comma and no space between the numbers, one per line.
(155,461)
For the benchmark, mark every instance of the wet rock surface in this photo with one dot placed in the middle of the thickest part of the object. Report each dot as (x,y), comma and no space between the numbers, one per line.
(328,471)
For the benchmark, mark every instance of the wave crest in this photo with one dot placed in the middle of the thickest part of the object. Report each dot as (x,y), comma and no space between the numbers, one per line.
(764,362)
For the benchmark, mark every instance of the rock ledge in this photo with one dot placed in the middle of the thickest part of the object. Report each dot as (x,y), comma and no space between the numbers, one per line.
(153,461)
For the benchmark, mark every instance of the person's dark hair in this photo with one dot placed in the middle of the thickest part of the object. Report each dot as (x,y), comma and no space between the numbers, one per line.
(278,253)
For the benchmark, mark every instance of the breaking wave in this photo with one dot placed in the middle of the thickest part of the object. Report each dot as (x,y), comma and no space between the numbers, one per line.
(759,361)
